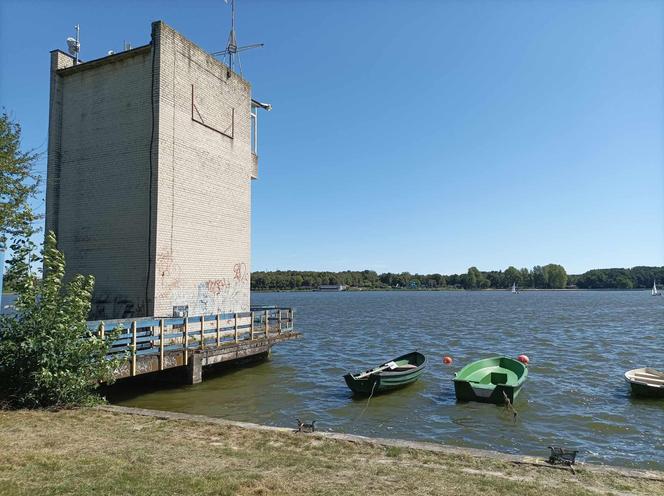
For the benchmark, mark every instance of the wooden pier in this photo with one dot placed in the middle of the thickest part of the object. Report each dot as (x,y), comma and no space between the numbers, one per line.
(156,344)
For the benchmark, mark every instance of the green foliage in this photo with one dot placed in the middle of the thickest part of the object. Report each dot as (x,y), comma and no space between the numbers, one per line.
(470,282)
(526,278)
(537,277)
(476,280)
(19,277)
(551,276)
(636,277)
(18,181)
(48,357)
(290,279)
(12,277)
(513,274)
(555,276)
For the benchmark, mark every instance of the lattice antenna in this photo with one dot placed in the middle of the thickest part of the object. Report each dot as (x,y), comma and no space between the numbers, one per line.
(232,52)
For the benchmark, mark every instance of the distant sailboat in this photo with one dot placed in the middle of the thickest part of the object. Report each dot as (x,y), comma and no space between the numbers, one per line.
(654,291)
(514,288)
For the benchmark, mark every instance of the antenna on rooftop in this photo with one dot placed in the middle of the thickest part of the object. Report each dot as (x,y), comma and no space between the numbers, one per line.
(232,51)
(74,45)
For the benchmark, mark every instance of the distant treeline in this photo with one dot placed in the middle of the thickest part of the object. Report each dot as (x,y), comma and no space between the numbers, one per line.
(551,276)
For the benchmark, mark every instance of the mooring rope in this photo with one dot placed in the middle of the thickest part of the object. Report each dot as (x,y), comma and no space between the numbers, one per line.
(509,406)
(368,400)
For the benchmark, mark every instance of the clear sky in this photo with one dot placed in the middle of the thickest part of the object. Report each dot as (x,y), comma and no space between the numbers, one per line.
(415,136)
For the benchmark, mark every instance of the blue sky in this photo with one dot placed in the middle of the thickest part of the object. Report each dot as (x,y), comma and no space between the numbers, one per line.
(416,136)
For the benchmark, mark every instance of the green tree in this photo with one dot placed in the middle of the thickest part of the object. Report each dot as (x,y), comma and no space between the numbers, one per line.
(454,280)
(473,278)
(48,357)
(538,278)
(18,182)
(624,282)
(512,276)
(21,264)
(555,276)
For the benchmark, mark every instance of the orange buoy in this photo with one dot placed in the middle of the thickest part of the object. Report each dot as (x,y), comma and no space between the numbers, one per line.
(447,360)
(523,359)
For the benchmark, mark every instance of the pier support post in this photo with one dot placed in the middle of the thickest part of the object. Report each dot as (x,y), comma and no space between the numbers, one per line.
(195,369)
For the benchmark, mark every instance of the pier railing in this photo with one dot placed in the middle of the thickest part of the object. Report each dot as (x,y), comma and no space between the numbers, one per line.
(151,336)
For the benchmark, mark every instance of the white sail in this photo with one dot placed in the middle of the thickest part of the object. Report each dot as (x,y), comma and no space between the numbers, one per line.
(513,287)
(654,291)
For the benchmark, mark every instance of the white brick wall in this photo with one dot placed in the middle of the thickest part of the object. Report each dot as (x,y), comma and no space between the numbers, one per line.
(204,182)
(98,178)
(101,185)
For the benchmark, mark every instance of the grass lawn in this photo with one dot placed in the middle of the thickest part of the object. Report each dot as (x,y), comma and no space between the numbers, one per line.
(91,451)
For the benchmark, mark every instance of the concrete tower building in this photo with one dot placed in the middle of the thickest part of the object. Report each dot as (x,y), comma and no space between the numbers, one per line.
(151,154)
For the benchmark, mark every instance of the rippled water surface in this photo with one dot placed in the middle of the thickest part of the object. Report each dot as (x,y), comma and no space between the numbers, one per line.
(579,344)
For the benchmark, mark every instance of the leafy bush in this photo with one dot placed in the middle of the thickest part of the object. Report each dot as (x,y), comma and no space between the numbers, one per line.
(48,357)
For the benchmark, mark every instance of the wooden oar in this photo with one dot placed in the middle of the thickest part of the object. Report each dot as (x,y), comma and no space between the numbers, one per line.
(388,365)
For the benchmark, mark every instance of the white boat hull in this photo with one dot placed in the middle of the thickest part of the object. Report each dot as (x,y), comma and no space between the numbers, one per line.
(646,382)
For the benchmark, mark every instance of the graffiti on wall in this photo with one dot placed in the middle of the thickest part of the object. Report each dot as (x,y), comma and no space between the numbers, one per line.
(171,288)
(228,293)
(240,272)
(217,286)
(118,307)
(222,295)
(225,294)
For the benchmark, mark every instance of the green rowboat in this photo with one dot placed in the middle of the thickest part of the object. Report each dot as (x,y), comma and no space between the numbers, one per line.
(486,380)
(396,373)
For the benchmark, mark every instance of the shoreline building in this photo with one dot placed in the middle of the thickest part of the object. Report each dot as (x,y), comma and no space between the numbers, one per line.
(331,287)
(151,154)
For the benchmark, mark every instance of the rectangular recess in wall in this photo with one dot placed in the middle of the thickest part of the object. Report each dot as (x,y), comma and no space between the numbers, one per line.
(212,116)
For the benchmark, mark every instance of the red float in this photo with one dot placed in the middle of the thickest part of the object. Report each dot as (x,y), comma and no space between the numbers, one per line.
(447,360)
(524,359)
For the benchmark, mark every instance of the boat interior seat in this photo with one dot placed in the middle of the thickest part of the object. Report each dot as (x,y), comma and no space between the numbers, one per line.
(657,384)
(495,378)
(649,378)
(498,378)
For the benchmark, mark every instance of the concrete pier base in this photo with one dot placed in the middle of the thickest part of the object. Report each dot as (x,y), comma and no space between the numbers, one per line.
(195,369)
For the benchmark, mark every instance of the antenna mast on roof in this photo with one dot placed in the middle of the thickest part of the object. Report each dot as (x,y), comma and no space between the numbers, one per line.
(232,51)
(74,44)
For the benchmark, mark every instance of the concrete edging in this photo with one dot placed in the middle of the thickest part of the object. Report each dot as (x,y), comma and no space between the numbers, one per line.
(385,442)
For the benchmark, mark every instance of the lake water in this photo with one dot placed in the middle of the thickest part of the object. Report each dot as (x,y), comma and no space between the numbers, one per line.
(579,343)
